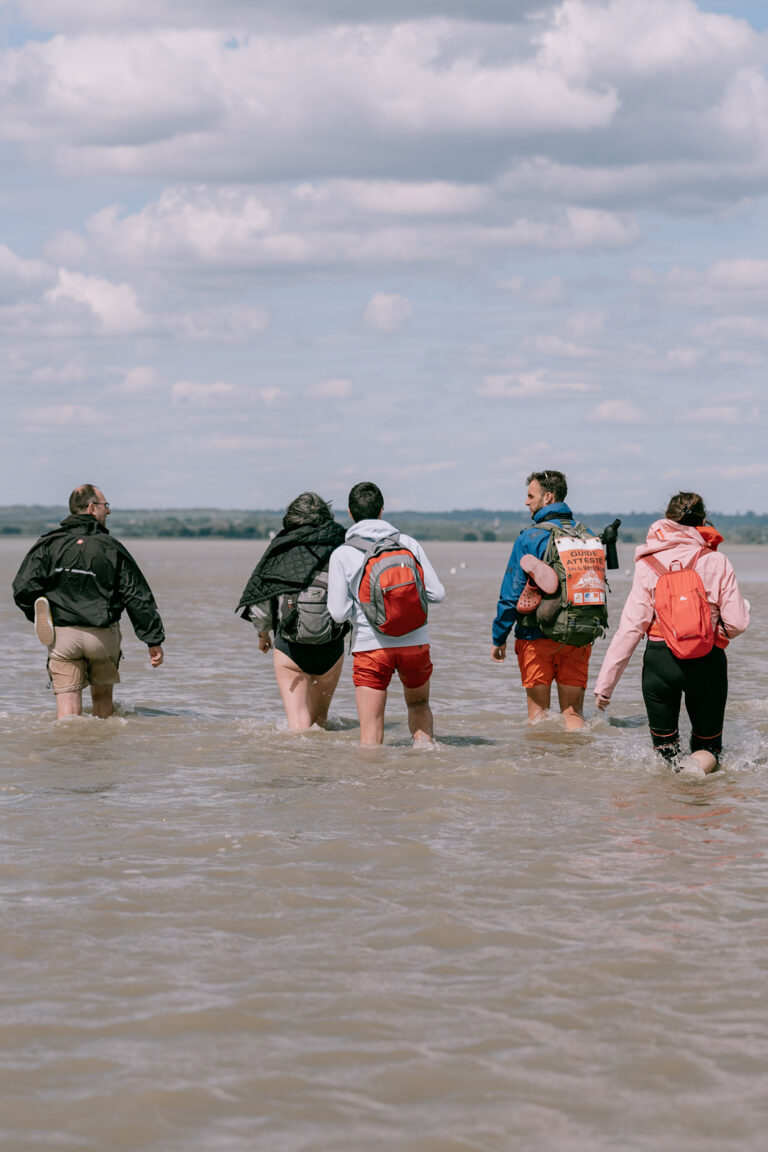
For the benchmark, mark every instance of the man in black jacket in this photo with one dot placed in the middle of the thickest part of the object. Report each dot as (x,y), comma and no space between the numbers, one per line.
(74,584)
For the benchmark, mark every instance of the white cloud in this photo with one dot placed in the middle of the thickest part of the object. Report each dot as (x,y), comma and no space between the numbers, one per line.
(553,345)
(527,385)
(53,416)
(715,414)
(192,101)
(272,397)
(744,275)
(387,312)
(571,204)
(234,228)
(205,395)
(20,274)
(740,471)
(142,378)
(114,306)
(228,323)
(226,14)
(684,357)
(619,412)
(334,389)
(550,291)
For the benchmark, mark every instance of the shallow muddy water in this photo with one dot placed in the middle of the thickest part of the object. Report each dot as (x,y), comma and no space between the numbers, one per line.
(219,937)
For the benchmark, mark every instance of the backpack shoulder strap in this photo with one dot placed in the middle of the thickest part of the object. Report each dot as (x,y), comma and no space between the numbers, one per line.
(652,562)
(359,543)
(382,544)
(553,516)
(695,558)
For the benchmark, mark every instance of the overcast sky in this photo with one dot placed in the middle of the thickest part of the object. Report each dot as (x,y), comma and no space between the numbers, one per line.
(251,248)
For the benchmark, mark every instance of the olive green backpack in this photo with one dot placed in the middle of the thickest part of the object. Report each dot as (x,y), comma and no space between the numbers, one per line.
(576,614)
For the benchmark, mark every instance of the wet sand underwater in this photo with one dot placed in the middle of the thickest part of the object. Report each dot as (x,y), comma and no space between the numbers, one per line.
(219,937)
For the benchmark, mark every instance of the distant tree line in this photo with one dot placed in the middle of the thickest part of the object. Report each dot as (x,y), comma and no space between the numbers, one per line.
(473,524)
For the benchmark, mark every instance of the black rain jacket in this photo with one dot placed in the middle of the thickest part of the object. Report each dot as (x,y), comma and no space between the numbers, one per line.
(291,560)
(88,578)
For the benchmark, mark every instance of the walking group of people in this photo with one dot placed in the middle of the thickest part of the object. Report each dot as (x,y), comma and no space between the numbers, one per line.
(315,583)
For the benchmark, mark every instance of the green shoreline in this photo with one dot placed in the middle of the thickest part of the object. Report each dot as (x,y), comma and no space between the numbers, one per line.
(474,524)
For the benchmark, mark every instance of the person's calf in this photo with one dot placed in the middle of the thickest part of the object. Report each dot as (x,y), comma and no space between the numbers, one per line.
(420,718)
(101,696)
(667,744)
(69,704)
(701,762)
(538,698)
(573,719)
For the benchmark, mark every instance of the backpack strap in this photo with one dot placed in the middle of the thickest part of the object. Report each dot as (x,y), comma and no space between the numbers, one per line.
(695,559)
(554,516)
(659,568)
(372,546)
(652,562)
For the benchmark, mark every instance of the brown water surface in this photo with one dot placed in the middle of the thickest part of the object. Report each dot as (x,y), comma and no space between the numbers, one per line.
(219,937)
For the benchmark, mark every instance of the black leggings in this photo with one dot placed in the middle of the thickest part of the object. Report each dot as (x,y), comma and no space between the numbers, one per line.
(703,682)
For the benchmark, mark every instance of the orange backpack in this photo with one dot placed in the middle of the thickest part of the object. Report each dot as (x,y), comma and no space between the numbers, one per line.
(682,609)
(391,591)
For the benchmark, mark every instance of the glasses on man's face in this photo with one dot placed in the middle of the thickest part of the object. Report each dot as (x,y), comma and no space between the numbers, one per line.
(96,503)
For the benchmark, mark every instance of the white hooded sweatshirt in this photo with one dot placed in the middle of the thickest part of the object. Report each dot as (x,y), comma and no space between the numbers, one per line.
(343,579)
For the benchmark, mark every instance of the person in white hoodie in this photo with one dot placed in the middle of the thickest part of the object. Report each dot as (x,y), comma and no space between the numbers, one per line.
(703,681)
(377,656)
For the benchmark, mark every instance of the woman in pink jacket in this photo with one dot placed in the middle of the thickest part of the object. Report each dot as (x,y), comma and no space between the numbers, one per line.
(703,681)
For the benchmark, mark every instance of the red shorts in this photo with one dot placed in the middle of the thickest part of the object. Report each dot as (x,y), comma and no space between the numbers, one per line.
(542,661)
(375,669)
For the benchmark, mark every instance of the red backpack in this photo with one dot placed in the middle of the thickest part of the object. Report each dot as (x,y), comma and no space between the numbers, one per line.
(391,592)
(682,609)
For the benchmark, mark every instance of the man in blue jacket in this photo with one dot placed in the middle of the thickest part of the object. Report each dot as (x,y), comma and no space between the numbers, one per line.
(541,660)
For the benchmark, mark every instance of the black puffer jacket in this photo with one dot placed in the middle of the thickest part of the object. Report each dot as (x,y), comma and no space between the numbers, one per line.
(290,562)
(88,578)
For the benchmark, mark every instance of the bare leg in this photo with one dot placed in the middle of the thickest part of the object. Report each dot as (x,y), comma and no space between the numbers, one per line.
(294,690)
(701,759)
(371,703)
(420,720)
(69,704)
(320,693)
(572,706)
(101,695)
(538,701)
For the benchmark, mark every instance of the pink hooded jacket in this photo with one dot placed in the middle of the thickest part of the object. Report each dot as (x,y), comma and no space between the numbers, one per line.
(671,541)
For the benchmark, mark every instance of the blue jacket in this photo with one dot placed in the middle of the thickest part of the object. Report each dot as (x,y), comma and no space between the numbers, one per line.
(531,541)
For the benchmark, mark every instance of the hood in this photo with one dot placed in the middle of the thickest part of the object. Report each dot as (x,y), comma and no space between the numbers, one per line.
(551,511)
(371,529)
(666,534)
(710,536)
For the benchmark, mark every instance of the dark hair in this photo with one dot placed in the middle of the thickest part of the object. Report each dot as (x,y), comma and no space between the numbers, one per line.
(309,508)
(365,501)
(687,508)
(81,497)
(551,481)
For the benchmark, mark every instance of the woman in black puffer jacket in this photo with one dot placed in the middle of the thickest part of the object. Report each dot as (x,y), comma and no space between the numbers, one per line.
(286,597)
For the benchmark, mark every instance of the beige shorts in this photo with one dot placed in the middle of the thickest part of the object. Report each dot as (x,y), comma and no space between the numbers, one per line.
(83,656)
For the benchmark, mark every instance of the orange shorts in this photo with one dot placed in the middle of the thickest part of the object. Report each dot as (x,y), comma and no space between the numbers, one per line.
(375,669)
(542,661)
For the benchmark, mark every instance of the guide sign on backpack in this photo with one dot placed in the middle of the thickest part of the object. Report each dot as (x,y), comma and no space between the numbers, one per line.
(578,558)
